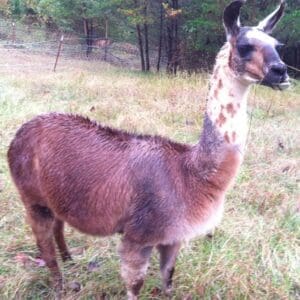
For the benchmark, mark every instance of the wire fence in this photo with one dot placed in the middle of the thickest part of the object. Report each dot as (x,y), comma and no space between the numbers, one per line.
(28,40)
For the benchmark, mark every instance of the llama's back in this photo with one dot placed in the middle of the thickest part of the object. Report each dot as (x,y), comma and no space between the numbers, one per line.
(64,163)
(93,177)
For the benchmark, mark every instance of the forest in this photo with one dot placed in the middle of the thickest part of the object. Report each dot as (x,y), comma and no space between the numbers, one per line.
(185,34)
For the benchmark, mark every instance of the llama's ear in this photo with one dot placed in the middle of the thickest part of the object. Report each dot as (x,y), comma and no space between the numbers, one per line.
(231,18)
(269,23)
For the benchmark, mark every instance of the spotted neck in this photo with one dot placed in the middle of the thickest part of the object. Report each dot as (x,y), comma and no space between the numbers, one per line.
(227,102)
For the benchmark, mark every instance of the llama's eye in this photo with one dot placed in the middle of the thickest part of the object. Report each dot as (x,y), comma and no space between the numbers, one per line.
(245,50)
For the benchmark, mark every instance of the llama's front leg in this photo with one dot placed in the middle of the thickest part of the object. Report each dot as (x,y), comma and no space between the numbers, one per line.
(168,254)
(134,264)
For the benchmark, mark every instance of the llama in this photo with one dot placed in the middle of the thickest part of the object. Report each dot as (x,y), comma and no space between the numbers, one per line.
(155,192)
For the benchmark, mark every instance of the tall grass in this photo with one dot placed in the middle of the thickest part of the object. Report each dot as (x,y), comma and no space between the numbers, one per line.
(254,254)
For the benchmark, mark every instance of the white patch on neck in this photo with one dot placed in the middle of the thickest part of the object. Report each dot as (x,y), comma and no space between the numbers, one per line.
(256,34)
(227,108)
(227,104)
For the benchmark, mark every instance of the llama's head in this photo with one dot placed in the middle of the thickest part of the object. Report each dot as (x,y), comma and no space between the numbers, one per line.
(254,53)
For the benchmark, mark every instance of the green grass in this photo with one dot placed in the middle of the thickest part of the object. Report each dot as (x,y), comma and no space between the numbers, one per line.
(255,252)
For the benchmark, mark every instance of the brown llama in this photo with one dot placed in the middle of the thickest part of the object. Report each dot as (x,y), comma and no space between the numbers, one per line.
(155,192)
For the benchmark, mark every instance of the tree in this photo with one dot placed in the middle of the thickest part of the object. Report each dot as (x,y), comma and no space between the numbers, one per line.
(160,38)
(137,13)
(203,31)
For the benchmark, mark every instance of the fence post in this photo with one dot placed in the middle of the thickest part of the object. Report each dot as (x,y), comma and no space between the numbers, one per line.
(58,52)
(13,33)
(106,39)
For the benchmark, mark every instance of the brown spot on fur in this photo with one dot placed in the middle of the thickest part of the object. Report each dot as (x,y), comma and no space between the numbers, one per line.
(226,137)
(221,120)
(216,92)
(231,94)
(216,72)
(230,109)
(233,136)
(220,84)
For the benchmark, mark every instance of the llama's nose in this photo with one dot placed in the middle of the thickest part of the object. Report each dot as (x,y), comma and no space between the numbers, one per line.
(279,69)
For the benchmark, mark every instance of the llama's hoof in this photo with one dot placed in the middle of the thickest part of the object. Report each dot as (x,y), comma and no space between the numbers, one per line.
(74,286)
(131,296)
(209,235)
(58,294)
(58,286)
(66,257)
(168,292)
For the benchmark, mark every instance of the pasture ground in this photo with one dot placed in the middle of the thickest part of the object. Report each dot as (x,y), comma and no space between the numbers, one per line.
(254,254)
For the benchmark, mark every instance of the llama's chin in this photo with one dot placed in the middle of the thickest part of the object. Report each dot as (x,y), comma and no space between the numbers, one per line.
(280,86)
(277,86)
(283,85)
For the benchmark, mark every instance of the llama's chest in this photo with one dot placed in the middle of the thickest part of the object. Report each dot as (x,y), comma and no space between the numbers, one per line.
(210,219)
(207,221)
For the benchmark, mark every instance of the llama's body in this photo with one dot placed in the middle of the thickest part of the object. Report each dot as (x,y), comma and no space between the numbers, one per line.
(156,192)
(149,188)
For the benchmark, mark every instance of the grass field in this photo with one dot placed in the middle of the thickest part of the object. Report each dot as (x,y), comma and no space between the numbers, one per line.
(254,254)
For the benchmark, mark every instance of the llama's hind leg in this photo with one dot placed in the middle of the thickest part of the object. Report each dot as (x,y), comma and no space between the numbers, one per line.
(42,223)
(168,254)
(60,240)
(134,264)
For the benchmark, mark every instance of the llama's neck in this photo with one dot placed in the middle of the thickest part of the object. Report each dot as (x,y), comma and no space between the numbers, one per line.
(219,153)
(227,102)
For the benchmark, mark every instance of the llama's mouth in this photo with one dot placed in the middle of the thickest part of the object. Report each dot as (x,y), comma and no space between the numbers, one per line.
(276,84)
(282,85)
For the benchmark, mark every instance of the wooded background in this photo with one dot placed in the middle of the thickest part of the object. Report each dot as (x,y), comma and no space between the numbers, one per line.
(185,34)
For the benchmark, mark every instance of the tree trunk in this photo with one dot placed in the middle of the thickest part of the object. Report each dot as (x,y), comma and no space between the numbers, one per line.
(106,28)
(160,36)
(106,39)
(175,57)
(146,36)
(173,40)
(88,29)
(147,58)
(169,47)
(141,47)
(91,35)
(140,40)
